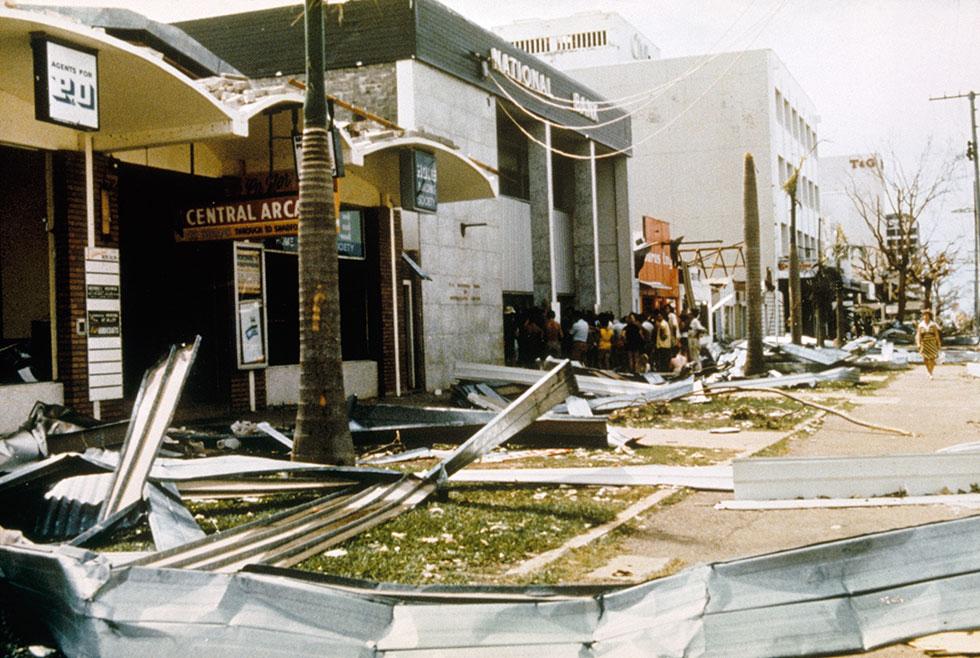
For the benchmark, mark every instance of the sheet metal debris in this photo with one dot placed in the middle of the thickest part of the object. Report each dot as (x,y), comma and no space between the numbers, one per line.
(293,535)
(152,412)
(708,478)
(847,477)
(836,597)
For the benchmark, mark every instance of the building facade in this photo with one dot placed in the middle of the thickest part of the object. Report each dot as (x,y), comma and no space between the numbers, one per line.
(529,206)
(694,118)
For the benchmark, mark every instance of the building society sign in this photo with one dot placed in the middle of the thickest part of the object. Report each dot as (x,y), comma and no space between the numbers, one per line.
(66,84)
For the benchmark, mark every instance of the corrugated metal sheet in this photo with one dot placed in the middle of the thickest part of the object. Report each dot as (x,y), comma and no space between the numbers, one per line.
(293,535)
(832,598)
(846,477)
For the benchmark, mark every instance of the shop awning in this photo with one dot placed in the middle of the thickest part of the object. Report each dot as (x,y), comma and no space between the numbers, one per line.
(460,178)
(143,101)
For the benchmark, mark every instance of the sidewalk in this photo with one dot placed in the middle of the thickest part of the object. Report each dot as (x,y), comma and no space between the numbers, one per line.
(941,412)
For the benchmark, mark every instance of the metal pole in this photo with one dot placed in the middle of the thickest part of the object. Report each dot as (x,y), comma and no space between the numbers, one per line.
(552,257)
(595,229)
(972,96)
(976,215)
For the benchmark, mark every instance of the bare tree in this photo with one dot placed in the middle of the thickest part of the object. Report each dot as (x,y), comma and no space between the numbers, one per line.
(894,217)
(930,268)
(755,362)
(322,432)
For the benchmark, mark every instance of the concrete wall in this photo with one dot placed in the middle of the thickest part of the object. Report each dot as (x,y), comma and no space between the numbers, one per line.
(462,305)
(282,382)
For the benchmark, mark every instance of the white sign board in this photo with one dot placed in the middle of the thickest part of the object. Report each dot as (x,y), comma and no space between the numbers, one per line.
(66,84)
(251,343)
(103,324)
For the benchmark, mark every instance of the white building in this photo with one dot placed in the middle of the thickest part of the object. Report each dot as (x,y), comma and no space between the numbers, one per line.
(691,130)
(593,38)
(842,176)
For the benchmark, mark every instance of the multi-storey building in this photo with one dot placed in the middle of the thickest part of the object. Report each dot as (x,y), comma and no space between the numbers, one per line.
(694,118)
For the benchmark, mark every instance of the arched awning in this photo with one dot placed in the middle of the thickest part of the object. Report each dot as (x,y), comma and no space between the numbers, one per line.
(460,177)
(144,101)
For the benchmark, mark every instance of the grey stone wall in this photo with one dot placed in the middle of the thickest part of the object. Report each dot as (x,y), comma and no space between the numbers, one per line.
(540,207)
(462,305)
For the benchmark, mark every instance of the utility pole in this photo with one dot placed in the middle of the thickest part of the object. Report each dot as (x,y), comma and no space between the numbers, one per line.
(972,153)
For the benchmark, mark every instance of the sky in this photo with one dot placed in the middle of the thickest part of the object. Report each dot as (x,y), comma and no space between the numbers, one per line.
(870,66)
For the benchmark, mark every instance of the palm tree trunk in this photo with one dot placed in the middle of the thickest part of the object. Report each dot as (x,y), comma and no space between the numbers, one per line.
(839,315)
(755,363)
(795,309)
(322,433)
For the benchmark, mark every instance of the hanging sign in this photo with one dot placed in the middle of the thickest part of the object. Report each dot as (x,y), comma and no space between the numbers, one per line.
(66,84)
(419,181)
(103,324)
(252,341)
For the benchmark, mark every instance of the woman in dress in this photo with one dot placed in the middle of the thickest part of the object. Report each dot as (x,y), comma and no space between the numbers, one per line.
(928,339)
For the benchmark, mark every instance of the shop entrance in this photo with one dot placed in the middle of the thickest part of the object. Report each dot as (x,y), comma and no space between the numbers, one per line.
(25,303)
(173,291)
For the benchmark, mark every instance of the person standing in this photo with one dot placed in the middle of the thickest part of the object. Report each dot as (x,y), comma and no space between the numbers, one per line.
(928,339)
(694,332)
(663,341)
(605,342)
(553,335)
(580,339)
(633,333)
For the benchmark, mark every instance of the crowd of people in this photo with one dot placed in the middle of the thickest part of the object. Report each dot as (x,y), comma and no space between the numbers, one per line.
(662,341)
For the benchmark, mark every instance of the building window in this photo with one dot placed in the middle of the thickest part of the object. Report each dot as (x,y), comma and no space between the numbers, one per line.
(779,108)
(512,149)
(781,167)
(786,114)
(563,182)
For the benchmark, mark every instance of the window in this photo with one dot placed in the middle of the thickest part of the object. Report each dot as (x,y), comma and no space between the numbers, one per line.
(795,125)
(780,168)
(512,151)
(779,108)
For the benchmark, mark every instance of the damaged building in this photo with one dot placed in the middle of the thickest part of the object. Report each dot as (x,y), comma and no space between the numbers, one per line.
(172,213)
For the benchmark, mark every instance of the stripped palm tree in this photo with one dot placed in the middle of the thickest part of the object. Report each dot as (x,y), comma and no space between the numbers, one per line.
(755,363)
(322,432)
(795,297)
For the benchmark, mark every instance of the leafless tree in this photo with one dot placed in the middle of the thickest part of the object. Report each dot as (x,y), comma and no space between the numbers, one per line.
(893,217)
(930,268)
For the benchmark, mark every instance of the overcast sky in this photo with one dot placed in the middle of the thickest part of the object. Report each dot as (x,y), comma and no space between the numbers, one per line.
(869,66)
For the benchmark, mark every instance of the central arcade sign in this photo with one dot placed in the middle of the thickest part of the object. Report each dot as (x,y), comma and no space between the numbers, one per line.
(259,219)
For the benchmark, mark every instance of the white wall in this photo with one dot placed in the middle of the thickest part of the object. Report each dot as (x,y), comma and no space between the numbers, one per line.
(462,305)
(691,139)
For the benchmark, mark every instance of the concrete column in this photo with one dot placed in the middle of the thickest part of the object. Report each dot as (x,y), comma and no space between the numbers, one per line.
(542,216)
(584,231)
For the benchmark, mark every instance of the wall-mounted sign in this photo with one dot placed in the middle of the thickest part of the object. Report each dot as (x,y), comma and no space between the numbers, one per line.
(103,324)
(533,79)
(66,84)
(252,343)
(350,234)
(240,220)
(275,221)
(419,181)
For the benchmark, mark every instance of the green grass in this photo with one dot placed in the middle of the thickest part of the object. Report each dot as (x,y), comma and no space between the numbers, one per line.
(749,413)
(474,533)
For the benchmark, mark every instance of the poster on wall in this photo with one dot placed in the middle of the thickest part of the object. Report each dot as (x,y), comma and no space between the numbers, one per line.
(103,324)
(66,84)
(251,343)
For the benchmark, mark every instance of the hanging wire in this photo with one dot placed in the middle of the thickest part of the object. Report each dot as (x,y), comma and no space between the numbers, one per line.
(646,138)
(606,104)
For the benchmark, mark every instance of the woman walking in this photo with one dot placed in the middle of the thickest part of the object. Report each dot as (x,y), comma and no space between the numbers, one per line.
(928,339)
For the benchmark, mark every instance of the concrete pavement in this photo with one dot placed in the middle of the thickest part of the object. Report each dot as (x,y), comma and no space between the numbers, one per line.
(941,412)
